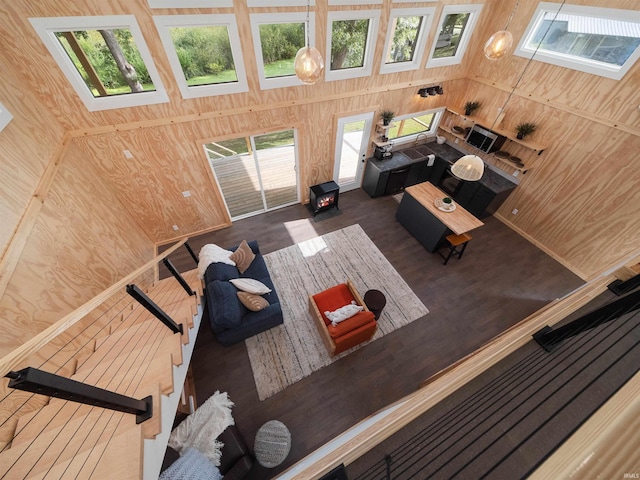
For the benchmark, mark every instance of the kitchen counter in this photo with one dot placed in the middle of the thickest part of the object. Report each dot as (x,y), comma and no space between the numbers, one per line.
(490,179)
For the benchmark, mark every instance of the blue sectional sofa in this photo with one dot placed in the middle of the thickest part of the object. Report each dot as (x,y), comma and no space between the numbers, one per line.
(230,320)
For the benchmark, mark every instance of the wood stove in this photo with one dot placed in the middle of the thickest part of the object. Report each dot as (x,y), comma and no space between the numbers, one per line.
(323,197)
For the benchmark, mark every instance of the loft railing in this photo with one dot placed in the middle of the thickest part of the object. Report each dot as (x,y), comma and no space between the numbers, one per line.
(623,407)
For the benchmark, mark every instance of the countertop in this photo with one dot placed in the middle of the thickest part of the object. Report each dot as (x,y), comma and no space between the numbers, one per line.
(490,179)
(458,221)
(399,159)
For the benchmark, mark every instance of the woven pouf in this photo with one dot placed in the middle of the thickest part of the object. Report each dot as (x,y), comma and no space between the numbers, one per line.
(272,444)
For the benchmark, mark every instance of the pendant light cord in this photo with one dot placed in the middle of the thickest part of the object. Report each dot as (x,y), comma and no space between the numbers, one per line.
(308,41)
(528,62)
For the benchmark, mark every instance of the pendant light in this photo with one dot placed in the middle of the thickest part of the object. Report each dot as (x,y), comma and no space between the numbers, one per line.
(500,42)
(469,168)
(308,63)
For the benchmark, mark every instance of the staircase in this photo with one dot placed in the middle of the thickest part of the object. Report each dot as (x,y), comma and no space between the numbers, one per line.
(132,354)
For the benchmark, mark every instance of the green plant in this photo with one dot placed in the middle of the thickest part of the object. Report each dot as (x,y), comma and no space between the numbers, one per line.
(471,107)
(525,128)
(387,116)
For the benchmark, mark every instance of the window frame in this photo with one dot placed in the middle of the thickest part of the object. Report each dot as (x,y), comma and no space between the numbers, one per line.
(575,63)
(474,13)
(165,22)
(258,19)
(190,3)
(427,14)
(47,27)
(5,117)
(410,139)
(373,15)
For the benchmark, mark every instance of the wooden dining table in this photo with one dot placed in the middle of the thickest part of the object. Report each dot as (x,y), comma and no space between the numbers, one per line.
(430,225)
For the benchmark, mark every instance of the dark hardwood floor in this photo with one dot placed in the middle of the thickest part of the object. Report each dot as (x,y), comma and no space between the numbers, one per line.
(501,279)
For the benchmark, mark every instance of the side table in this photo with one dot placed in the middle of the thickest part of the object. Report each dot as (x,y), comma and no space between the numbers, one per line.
(272,444)
(375,301)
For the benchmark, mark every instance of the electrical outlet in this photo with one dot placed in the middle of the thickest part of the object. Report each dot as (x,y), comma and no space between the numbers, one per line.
(457,141)
(127,154)
(175,227)
(186,194)
(514,211)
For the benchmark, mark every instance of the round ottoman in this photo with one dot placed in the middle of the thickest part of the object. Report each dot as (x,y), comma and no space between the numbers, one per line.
(272,444)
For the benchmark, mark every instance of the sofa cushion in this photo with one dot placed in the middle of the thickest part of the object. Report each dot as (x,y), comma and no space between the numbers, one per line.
(220,271)
(253,302)
(225,309)
(357,321)
(243,256)
(332,299)
(250,285)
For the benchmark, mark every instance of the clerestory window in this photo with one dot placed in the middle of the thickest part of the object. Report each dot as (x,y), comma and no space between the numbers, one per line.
(204,53)
(351,37)
(277,39)
(406,39)
(601,41)
(455,29)
(104,58)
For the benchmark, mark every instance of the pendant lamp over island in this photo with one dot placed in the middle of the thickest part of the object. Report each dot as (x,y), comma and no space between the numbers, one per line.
(499,44)
(469,168)
(309,62)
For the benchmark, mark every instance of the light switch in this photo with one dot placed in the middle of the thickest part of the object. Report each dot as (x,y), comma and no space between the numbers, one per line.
(175,227)
(186,194)
(128,154)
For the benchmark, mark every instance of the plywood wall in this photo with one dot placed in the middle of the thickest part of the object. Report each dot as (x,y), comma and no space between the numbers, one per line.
(83,241)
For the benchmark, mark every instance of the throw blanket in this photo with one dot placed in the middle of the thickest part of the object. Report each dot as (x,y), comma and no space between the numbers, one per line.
(201,429)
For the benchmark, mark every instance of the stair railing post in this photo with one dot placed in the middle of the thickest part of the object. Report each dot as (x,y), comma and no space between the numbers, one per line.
(149,304)
(44,383)
(193,255)
(176,274)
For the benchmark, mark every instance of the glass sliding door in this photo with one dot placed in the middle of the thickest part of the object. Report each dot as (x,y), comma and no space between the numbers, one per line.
(351,148)
(255,174)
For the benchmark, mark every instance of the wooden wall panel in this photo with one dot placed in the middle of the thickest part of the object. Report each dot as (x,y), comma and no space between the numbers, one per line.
(26,145)
(82,242)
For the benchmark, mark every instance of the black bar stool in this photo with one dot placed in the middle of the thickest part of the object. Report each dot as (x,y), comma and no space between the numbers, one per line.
(456,241)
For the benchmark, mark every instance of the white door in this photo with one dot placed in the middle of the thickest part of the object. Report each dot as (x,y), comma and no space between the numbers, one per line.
(351,148)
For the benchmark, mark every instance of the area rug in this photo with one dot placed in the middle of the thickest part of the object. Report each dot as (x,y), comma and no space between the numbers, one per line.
(285,354)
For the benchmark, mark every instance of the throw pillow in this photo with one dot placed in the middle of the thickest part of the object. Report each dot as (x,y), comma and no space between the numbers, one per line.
(255,303)
(343,313)
(211,253)
(243,256)
(250,285)
(192,465)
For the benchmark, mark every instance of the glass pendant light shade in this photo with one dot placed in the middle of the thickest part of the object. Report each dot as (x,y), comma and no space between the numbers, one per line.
(308,65)
(469,167)
(498,45)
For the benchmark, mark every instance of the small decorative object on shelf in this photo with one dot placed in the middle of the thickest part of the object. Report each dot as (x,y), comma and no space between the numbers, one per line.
(471,107)
(524,129)
(387,116)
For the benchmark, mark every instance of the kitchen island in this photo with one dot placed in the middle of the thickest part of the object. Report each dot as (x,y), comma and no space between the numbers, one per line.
(426,222)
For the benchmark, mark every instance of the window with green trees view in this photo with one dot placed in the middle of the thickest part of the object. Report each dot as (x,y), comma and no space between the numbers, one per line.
(108,61)
(276,41)
(352,38)
(406,38)
(409,127)
(456,26)
(104,58)
(204,53)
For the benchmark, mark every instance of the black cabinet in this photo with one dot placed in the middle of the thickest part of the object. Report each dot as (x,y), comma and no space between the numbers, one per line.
(437,172)
(393,175)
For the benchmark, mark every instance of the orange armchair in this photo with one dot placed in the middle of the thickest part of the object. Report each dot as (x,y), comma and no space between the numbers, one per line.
(348,333)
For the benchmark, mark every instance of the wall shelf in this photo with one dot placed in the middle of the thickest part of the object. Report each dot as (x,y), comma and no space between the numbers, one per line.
(381,131)
(487,124)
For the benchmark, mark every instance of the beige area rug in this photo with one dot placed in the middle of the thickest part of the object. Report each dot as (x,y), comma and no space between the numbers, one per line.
(285,354)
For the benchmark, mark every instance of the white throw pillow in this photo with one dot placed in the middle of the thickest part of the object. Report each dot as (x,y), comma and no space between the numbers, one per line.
(343,313)
(250,285)
(212,253)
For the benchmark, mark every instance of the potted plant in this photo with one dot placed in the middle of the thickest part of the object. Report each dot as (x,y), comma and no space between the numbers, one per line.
(524,129)
(387,116)
(471,107)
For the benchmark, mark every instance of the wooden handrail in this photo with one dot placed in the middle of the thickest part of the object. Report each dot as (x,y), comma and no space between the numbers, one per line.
(9,362)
